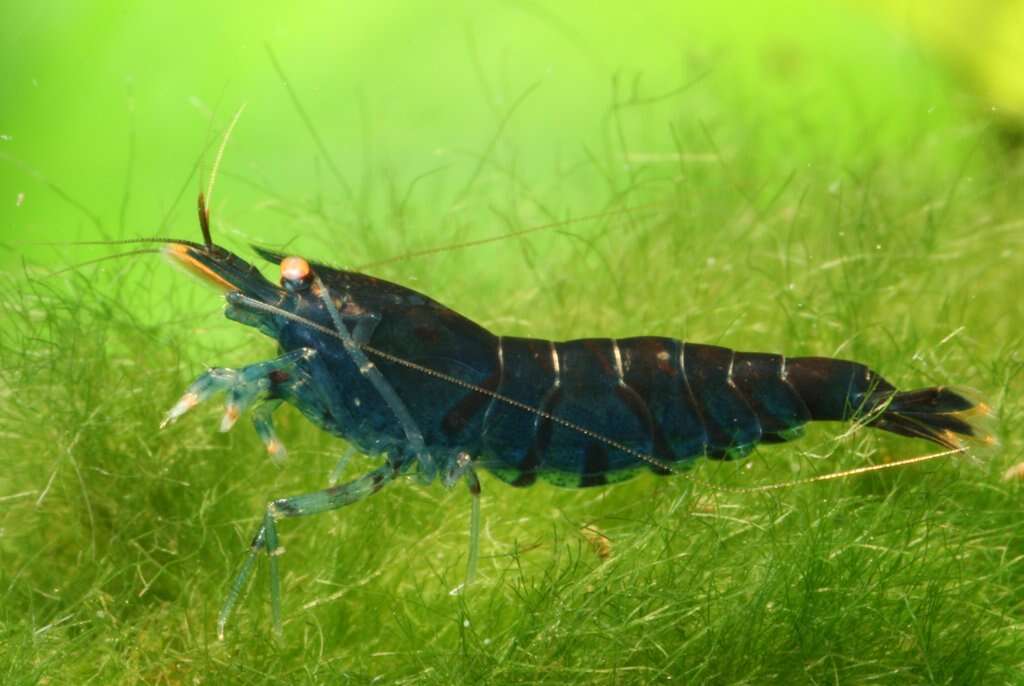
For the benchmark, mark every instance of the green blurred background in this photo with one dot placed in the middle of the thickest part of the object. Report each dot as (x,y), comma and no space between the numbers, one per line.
(498,114)
(115,102)
(832,178)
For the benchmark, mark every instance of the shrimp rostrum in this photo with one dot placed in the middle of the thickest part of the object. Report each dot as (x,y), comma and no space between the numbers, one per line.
(399,375)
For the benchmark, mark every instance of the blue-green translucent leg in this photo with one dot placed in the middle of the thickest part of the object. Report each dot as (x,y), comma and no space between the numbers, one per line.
(462,467)
(335,474)
(295,506)
(264,425)
(474,525)
(238,585)
(243,386)
(273,551)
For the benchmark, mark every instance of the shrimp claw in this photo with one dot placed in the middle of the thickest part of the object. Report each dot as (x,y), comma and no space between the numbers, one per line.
(267,381)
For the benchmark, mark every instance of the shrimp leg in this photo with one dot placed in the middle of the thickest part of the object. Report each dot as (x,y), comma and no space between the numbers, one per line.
(264,381)
(473,482)
(296,506)
(462,467)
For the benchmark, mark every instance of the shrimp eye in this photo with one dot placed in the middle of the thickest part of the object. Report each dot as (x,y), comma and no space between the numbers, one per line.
(295,273)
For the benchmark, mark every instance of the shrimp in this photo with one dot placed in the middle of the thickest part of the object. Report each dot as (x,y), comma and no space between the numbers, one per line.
(400,375)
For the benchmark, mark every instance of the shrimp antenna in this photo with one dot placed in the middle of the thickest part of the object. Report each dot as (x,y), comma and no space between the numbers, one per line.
(845,473)
(204,202)
(130,253)
(220,151)
(117,256)
(504,236)
(204,221)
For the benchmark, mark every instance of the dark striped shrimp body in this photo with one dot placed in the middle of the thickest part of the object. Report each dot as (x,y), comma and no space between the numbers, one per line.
(674,401)
(657,397)
(400,375)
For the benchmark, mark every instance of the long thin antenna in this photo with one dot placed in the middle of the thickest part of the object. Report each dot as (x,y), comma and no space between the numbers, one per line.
(856,471)
(494,239)
(317,140)
(119,241)
(142,251)
(204,202)
(220,154)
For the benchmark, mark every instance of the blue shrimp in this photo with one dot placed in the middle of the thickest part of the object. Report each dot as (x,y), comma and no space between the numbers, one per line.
(398,374)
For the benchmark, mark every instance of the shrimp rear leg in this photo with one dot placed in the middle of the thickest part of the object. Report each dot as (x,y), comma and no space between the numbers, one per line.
(295,506)
(473,482)
(462,467)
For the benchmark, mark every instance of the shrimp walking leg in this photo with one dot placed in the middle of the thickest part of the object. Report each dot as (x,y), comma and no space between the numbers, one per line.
(295,506)
(474,526)
(462,467)
(340,465)
(262,421)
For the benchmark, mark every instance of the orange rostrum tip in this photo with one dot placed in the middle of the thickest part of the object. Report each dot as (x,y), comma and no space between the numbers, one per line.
(181,254)
(294,269)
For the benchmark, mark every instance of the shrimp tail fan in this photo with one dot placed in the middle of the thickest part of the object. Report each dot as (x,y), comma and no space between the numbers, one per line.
(938,414)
